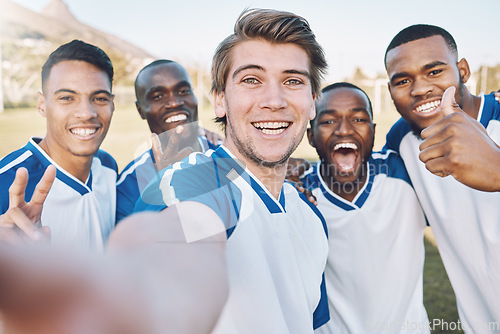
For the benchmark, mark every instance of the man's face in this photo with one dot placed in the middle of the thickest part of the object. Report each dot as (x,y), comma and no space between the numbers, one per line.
(343,133)
(267,101)
(419,73)
(78,105)
(165,97)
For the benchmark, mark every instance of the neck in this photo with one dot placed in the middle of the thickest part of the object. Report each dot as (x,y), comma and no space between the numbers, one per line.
(471,104)
(346,190)
(78,166)
(271,177)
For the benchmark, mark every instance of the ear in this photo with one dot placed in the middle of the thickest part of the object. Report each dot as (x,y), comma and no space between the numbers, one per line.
(310,137)
(389,86)
(312,112)
(40,104)
(464,70)
(220,104)
(139,109)
(112,102)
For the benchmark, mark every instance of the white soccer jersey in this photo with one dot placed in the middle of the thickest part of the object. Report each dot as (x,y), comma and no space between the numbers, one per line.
(375,264)
(466,224)
(79,214)
(276,249)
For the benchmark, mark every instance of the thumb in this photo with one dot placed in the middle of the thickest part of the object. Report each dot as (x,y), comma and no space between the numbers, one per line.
(448,103)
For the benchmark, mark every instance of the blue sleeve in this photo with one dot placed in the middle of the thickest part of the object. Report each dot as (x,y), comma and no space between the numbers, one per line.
(321,314)
(205,182)
(127,194)
(107,160)
(396,134)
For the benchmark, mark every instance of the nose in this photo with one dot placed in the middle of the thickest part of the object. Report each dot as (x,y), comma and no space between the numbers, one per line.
(344,128)
(173,101)
(421,87)
(273,97)
(86,110)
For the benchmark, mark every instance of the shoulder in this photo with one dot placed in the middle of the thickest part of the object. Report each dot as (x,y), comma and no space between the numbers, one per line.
(396,134)
(490,109)
(106,160)
(310,179)
(389,162)
(129,172)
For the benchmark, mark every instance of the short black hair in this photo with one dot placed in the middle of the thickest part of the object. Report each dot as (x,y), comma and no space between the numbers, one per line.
(153,64)
(419,31)
(79,51)
(342,85)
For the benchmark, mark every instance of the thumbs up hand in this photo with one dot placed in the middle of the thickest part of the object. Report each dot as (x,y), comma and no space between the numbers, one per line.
(458,145)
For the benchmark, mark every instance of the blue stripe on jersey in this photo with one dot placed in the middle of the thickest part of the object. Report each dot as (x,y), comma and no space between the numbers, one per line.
(208,179)
(385,162)
(490,111)
(321,314)
(396,135)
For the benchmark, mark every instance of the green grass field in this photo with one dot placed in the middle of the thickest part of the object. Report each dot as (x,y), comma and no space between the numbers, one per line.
(129,134)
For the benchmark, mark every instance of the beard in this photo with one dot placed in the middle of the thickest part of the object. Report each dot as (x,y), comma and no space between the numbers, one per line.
(246,147)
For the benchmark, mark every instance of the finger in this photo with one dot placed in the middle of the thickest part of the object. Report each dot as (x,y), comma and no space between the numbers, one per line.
(438,167)
(43,187)
(448,104)
(156,146)
(19,218)
(18,188)
(10,236)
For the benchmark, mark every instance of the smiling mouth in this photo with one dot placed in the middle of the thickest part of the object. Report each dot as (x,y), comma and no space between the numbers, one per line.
(345,156)
(428,107)
(176,118)
(271,128)
(83,132)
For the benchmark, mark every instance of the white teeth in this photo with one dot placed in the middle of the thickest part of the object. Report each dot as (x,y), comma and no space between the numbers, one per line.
(345,145)
(83,131)
(271,125)
(176,118)
(428,107)
(272,132)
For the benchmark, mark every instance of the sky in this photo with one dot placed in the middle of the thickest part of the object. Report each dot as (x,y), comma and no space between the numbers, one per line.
(352,33)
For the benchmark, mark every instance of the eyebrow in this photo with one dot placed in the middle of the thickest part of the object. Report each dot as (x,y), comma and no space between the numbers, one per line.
(97,92)
(426,67)
(260,68)
(333,111)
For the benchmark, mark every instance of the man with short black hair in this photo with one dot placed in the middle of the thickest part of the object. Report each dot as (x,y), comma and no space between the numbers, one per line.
(77,101)
(374,272)
(437,135)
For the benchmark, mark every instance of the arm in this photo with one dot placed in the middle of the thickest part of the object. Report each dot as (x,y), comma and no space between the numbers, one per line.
(21,223)
(152,280)
(458,145)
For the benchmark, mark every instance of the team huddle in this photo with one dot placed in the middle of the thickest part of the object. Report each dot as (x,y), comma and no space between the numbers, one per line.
(206,235)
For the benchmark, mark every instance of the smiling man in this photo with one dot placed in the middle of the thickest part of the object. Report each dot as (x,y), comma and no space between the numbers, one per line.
(165,99)
(450,140)
(77,102)
(375,224)
(265,77)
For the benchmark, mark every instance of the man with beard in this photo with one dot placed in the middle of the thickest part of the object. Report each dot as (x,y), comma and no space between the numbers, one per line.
(165,99)
(265,77)
(374,272)
(425,80)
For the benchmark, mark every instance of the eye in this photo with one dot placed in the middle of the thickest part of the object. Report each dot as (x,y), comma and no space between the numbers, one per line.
(360,120)
(250,81)
(101,99)
(293,82)
(435,72)
(65,98)
(328,121)
(401,82)
(156,97)
(184,91)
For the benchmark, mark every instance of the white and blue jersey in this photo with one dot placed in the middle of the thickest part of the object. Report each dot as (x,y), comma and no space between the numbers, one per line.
(79,214)
(374,272)
(136,175)
(466,224)
(276,249)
